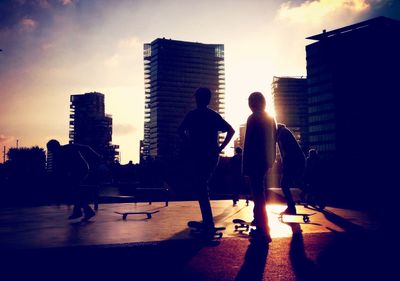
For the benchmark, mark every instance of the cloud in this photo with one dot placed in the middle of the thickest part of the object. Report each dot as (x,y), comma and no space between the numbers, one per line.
(387,8)
(123,129)
(44,4)
(112,61)
(68,2)
(28,24)
(5,139)
(318,11)
(124,52)
(48,46)
(131,42)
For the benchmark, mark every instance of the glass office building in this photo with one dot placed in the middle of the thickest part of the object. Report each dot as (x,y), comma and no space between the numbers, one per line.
(173,71)
(353,84)
(290,100)
(352,75)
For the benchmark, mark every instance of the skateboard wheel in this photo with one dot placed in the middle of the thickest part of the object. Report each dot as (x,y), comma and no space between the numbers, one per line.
(306,219)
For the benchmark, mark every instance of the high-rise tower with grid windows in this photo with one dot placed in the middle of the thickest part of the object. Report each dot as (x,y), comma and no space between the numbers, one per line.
(290,101)
(173,71)
(90,125)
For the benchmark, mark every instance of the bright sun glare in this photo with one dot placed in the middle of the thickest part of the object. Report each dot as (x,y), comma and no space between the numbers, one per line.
(270,105)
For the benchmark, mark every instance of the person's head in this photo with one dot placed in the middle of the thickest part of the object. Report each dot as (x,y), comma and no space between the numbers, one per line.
(203,97)
(53,145)
(312,153)
(257,102)
(238,150)
(280,126)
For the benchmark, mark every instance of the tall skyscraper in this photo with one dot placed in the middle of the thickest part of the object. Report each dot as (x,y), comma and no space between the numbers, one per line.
(90,125)
(173,71)
(290,100)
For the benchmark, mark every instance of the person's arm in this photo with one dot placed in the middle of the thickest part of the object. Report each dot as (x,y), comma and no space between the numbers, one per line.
(182,130)
(246,147)
(227,139)
(271,150)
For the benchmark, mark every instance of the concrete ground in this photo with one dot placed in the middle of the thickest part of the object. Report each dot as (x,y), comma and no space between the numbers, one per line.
(337,243)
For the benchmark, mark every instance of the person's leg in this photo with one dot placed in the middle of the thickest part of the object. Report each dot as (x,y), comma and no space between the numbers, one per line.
(77,209)
(76,212)
(205,205)
(286,184)
(205,171)
(87,210)
(236,190)
(259,211)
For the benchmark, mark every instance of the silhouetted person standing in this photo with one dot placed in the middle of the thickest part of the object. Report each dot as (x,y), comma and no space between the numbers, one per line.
(74,165)
(199,130)
(258,157)
(236,170)
(293,161)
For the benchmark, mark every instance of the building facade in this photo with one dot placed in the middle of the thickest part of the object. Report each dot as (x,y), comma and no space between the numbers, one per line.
(290,100)
(173,71)
(89,125)
(352,82)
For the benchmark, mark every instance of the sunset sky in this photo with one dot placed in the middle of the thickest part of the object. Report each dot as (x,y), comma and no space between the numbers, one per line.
(52,49)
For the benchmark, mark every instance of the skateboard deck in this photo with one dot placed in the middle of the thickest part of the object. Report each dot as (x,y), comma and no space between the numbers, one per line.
(242,224)
(125,214)
(197,228)
(306,216)
(236,201)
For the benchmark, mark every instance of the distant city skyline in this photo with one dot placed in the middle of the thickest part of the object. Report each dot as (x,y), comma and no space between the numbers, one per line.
(53,49)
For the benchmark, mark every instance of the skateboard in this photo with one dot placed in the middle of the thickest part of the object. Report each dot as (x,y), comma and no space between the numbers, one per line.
(235,201)
(242,225)
(306,217)
(125,214)
(197,228)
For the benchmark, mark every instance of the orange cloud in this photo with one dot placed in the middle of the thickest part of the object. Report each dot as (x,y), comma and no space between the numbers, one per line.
(6,139)
(319,10)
